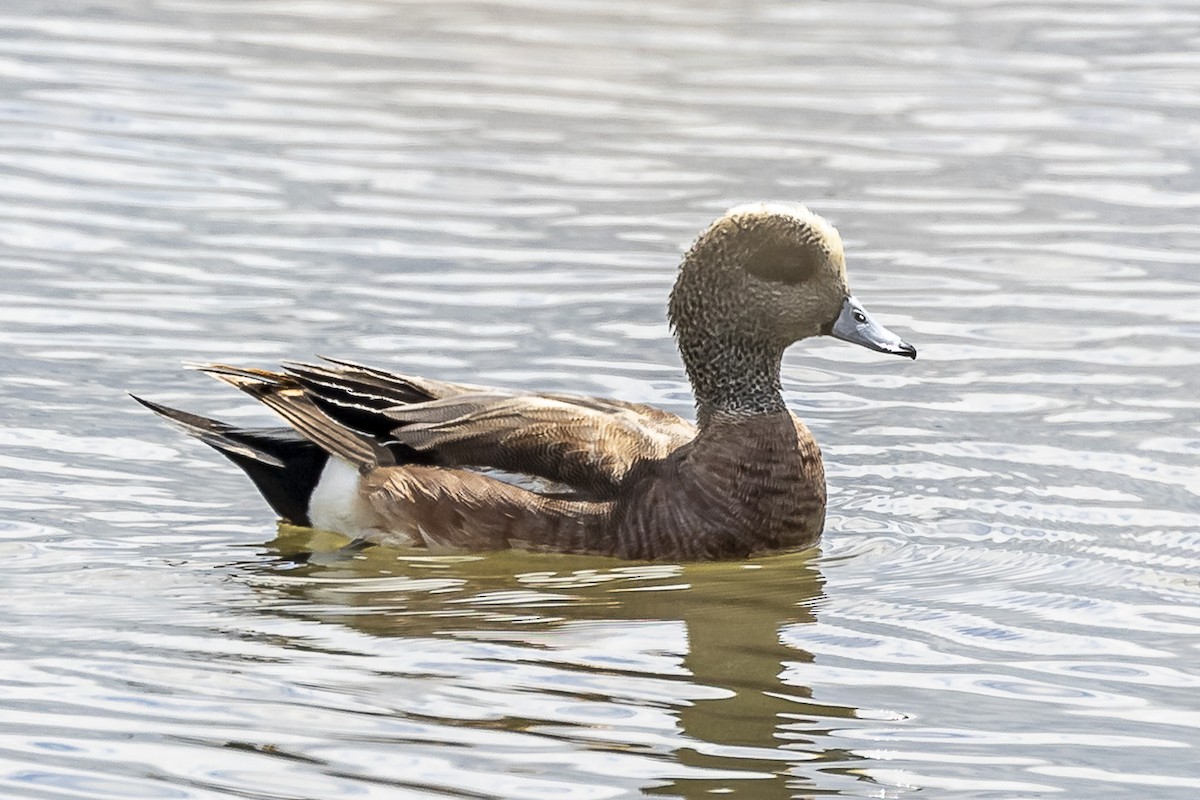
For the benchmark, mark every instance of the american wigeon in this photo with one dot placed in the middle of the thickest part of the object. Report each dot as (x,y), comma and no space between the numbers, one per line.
(397,459)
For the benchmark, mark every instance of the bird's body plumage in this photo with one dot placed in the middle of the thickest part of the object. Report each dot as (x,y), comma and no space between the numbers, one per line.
(405,460)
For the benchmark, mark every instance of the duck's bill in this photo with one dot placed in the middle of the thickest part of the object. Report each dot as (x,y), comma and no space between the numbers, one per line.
(855,325)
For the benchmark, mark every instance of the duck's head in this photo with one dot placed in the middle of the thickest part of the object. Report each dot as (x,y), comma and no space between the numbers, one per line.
(767,275)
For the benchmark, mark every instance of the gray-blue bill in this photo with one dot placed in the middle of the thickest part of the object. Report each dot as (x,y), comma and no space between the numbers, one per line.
(855,325)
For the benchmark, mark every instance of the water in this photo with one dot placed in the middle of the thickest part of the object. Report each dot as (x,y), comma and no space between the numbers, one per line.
(1006,604)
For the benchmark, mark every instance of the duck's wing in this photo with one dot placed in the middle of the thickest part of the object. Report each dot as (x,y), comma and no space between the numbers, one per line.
(587,443)
(432,506)
(552,437)
(286,397)
(357,395)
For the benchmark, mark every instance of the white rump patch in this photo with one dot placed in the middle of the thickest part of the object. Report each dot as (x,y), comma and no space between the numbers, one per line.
(337,503)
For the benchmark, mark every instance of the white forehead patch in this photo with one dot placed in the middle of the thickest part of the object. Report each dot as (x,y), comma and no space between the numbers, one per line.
(798,211)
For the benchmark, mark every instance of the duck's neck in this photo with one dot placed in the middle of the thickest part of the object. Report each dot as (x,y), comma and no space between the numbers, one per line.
(733,378)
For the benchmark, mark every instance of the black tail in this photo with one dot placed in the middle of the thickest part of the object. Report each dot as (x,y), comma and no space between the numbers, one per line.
(283,465)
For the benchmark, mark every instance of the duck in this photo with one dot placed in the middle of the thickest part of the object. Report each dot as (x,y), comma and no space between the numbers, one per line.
(400,460)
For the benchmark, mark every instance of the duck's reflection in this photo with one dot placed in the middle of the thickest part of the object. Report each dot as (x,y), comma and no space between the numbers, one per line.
(708,635)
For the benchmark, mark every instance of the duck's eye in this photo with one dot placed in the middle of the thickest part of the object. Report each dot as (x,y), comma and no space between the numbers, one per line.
(860,317)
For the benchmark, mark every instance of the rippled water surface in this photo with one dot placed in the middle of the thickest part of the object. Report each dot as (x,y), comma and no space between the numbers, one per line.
(1007,599)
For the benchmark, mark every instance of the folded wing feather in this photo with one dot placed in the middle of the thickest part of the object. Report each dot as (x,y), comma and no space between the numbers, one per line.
(587,443)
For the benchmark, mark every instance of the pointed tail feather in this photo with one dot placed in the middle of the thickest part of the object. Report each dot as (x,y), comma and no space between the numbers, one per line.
(282,464)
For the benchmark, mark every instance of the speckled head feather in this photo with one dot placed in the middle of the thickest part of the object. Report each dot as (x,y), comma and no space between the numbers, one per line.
(758,279)
(768,269)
